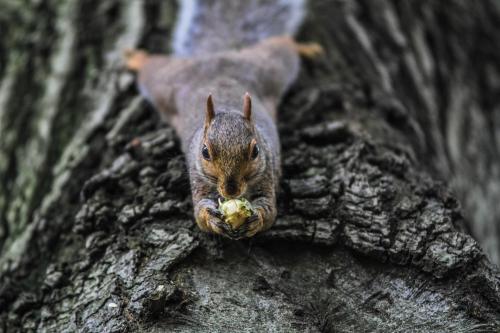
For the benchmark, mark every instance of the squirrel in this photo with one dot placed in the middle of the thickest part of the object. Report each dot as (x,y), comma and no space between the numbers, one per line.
(222,104)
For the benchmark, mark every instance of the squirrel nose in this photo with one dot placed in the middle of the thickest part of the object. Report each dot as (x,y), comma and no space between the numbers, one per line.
(231,187)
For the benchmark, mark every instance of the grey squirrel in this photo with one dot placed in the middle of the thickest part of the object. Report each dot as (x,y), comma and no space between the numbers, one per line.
(220,91)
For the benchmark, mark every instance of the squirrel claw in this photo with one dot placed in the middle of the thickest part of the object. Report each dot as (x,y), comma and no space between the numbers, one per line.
(218,226)
(253,225)
(215,213)
(215,222)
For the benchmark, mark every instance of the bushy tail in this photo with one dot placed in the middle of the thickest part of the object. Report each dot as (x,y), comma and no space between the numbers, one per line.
(207,26)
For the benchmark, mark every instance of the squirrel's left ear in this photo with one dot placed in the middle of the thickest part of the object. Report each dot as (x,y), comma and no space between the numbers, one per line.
(247,107)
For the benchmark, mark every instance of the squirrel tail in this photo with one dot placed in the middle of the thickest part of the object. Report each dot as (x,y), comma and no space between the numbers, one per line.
(208,26)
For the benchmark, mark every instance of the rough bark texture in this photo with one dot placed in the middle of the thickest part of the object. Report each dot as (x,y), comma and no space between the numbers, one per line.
(96,226)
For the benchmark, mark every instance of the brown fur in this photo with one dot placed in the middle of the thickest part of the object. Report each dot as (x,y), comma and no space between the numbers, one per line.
(229,127)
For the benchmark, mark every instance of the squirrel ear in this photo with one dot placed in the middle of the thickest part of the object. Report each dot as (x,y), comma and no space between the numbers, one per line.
(209,112)
(247,107)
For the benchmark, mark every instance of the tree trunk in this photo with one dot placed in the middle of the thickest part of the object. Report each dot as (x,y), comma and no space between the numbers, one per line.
(96,225)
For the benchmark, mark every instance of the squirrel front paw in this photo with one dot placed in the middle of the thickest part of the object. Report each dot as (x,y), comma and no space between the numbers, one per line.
(252,226)
(210,219)
(215,222)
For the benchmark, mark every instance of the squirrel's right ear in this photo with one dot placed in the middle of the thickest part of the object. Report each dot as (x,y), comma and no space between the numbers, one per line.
(209,111)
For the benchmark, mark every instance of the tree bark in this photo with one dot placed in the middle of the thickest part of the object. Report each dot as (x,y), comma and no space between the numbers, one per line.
(96,225)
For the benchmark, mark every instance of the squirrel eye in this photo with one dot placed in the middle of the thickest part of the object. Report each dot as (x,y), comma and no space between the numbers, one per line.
(205,153)
(255,152)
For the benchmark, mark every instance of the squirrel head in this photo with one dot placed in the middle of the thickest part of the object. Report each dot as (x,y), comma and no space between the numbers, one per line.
(230,149)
